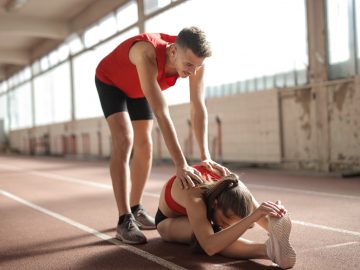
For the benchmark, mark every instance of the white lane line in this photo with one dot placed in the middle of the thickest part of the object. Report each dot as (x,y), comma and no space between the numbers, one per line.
(303,191)
(329,247)
(71,179)
(108,238)
(106,186)
(82,182)
(327,228)
(228,263)
(155,195)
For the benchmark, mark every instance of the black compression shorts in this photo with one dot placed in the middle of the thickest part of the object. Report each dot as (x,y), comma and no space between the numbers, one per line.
(114,100)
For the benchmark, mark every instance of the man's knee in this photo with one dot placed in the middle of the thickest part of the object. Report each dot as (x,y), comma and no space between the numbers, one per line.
(145,146)
(122,142)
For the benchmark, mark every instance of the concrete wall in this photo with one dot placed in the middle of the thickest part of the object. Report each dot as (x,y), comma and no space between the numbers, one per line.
(312,127)
(84,139)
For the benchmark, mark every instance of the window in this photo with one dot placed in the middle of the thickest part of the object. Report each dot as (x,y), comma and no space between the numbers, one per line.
(52,96)
(151,6)
(107,27)
(35,67)
(127,15)
(3,87)
(75,44)
(91,36)
(53,58)
(341,38)
(248,42)
(44,63)
(4,119)
(20,107)
(63,52)
(357,16)
(87,102)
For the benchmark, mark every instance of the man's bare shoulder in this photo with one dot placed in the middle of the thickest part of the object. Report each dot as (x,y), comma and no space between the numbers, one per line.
(142,50)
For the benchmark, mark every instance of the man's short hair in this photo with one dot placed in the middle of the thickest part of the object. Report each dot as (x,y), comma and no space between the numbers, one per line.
(194,39)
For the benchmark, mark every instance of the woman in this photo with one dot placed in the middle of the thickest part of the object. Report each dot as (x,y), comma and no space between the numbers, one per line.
(216,214)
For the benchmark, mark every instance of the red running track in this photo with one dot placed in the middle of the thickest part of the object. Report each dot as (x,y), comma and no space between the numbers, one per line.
(61,214)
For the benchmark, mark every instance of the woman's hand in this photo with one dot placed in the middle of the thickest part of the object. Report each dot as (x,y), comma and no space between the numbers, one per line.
(189,177)
(271,209)
(211,165)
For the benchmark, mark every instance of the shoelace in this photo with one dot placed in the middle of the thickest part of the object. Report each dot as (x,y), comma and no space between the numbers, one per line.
(140,212)
(129,224)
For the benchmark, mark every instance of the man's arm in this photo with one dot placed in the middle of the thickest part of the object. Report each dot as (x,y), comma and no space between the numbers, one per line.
(143,56)
(199,119)
(199,115)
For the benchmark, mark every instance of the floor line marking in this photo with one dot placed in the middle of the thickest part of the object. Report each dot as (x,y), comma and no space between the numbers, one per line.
(228,263)
(106,186)
(323,227)
(109,187)
(108,238)
(329,246)
(309,192)
(83,182)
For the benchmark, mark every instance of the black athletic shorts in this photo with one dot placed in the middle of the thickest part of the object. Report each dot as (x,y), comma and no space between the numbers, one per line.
(159,217)
(114,100)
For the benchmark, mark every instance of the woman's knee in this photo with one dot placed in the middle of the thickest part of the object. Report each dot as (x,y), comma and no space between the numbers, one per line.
(162,230)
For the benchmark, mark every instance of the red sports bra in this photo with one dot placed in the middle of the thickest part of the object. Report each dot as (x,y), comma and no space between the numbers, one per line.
(172,204)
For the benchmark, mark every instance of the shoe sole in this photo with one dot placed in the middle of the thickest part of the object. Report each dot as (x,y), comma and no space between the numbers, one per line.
(119,237)
(279,229)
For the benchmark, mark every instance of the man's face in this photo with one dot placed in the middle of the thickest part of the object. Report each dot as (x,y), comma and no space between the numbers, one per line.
(186,62)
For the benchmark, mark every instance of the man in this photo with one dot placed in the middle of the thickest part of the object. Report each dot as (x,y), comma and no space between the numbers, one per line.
(129,82)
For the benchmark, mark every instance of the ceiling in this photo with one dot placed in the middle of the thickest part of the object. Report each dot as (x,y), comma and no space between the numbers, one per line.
(30,29)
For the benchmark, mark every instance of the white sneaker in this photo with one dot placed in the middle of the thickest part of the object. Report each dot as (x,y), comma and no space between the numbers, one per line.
(278,245)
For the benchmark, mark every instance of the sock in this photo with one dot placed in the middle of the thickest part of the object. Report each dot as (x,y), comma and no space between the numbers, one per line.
(135,208)
(121,218)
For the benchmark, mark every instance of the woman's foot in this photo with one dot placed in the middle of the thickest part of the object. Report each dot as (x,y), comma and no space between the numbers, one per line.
(278,246)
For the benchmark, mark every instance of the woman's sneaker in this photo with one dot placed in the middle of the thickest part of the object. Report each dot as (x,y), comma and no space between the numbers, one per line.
(278,245)
(143,219)
(129,232)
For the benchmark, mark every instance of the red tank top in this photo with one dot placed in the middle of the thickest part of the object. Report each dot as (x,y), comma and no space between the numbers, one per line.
(173,205)
(116,68)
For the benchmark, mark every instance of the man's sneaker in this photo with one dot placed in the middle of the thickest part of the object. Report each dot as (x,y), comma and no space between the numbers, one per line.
(128,231)
(143,219)
(278,245)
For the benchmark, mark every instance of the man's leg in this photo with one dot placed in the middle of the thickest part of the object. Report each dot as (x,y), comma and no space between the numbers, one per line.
(142,158)
(140,169)
(122,141)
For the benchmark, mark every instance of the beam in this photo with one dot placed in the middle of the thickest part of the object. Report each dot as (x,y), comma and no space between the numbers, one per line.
(18,25)
(2,74)
(93,13)
(16,57)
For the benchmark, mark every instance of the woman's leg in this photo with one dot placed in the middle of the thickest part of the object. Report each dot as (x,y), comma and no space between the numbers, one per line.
(175,230)
(245,249)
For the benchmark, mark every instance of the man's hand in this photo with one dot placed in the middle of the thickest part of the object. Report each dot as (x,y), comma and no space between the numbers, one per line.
(189,177)
(211,165)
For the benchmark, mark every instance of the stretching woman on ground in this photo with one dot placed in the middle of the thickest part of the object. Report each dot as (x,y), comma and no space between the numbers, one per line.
(216,214)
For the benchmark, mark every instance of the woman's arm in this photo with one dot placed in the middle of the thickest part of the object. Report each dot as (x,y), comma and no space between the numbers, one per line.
(211,242)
